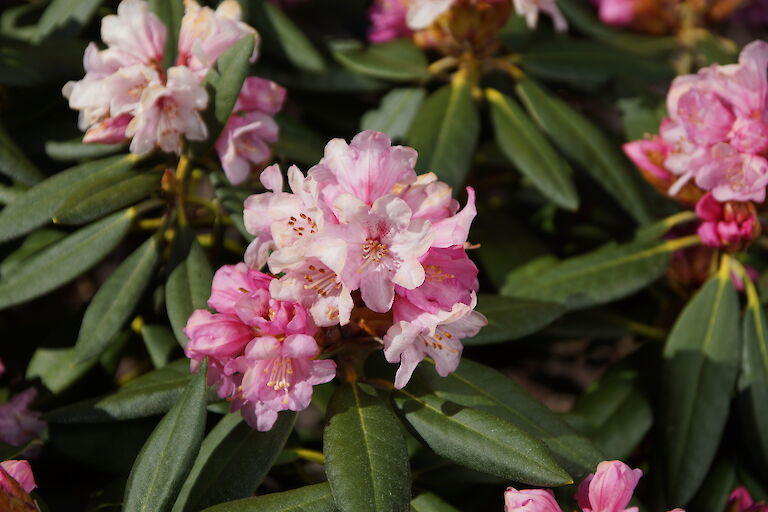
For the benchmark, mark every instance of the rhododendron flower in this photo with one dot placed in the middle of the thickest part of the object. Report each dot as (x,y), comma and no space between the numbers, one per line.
(19,424)
(135,35)
(616,12)
(20,471)
(741,500)
(530,500)
(730,225)
(388,21)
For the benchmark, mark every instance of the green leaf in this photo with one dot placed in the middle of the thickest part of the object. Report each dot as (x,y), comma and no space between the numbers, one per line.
(483,388)
(233,460)
(477,439)
(169,453)
(399,60)
(311,498)
(75,149)
(366,457)
(34,243)
(428,502)
(56,368)
(587,145)
(36,206)
(106,195)
(13,162)
(614,413)
(524,145)
(395,113)
(160,342)
(64,260)
(282,33)
(445,131)
(189,283)
(333,80)
(510,318)
(224,83)
(170,13)
(641,119)
(152,393)
(298,142)
(50,62)
(65,17)
(609,273)
(753,381)
(701,360)
(115,301)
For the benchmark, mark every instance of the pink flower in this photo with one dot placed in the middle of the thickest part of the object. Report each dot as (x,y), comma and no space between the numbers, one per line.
(21,472)
(530,500)
(616,12)
(383,247)
(417,334)
(529,9)
(169,112)
(388,21)
(19,424)
(2,368)
(749,135)
(741,500)
(245,138)
(648,155)
(745,84)
(422,13)
(368,168)
(731,225)
(135,35)
(205,34)
(705,118)
(734,176)
(609,489)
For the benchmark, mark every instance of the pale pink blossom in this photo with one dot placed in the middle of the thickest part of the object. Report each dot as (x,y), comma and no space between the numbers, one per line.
(609,489)
(749,135)
(529,9)
(530,500)
(422,13)
(388,21)
(733,176)
(168,113)
(18,423)
(19,470)
(416,334)
(705,118)
(109,131)
(745,85)
(135,35)
(369,167)
(616,12)
(205,34)
(261,95)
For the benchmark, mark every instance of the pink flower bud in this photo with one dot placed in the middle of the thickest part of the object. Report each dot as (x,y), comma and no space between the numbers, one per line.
(18,470)
(530,500)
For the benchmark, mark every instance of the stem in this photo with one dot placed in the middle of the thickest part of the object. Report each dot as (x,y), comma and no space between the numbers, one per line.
(307,454)
(681,243)
(181,176)
(679,218)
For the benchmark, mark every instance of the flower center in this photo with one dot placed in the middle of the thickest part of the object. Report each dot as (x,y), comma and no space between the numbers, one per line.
(435,273)
(321,280)
(280,373)
(303,225)
(438,340)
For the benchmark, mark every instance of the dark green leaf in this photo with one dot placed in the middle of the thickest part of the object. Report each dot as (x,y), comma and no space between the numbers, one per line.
(524,145)
(75,149)
(395,113)
(105,196)
(169,453)
(34,243)
(640,118)
(428,502)
(609,273)
(311,498)
(65,17)
(718,485)
(282,33)
(233,460)
(366,458)
(700,365)
(298,142)
(13,162)
(332,80)
(37,205)
(56,368)
(115,301)
(477,439)
(445,131)
(51,62)
(64,260)
(587,145)
(160,342)
(510,318)
(189,283)
(170,13)
(398,60)
(480,387)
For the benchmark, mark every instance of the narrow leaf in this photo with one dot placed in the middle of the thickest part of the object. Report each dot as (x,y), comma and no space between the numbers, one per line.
(445,131)
(274,25)
(511,318)
(477,439)
(428,502)
(115,301)
(395,113)
(366,457)
(311,498)
(75,149)
(160,342)
(587,145)
(56,368)
(524,145)
(64,260)
(169,453)
(37,205)
(233,460)
(13,162)
(397,60)
(65,17)
(480,387)
(700,365)
(33,244)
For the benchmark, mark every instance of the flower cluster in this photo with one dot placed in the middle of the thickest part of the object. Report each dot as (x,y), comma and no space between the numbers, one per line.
(127,94)
(361,242)
(391,19)
(713,146)
(609,489)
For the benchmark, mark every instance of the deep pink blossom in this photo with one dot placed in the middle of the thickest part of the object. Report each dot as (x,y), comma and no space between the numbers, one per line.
(741,500)
(530,500)
(726,224)
(18,423)
(2,368)
(19,470)
(609,489)
(388,21)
